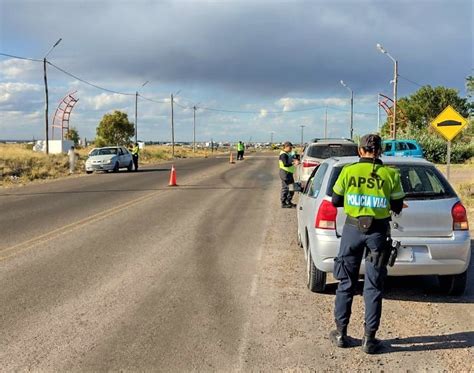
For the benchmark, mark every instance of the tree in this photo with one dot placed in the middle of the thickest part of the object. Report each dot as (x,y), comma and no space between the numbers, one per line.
(424,105)
(73,135)
(114,129)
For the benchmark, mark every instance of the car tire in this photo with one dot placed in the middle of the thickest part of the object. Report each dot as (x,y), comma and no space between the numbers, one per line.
(88,172)
(453,284)
(116,167)
(316,279)
(130,167)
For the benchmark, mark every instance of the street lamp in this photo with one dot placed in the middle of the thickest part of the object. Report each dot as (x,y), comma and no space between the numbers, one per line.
(352,107)
(172,122)
(46,101)
(393,131)
(136,110)
(302,126)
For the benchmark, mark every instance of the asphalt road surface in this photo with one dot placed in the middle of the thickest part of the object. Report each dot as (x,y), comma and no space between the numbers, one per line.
(121,272)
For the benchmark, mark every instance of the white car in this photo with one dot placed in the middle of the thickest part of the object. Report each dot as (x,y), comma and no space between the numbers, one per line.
(433,230)
(110,158)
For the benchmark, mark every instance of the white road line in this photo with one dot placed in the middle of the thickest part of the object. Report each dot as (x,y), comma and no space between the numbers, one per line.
(253,288)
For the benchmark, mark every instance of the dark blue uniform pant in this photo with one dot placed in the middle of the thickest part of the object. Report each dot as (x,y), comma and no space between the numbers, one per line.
(346,270)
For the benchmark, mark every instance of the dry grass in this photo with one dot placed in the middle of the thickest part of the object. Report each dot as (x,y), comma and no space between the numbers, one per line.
(19,165)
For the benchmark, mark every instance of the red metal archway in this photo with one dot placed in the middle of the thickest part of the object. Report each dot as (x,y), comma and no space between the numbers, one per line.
(63,113)
(386,103)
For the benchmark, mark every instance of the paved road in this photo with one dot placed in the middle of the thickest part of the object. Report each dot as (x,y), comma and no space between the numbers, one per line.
(121,272)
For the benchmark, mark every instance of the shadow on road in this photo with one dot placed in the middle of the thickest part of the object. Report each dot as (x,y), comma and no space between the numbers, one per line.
(429,342)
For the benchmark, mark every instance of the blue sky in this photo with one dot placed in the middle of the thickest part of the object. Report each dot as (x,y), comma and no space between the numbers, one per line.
(256,56)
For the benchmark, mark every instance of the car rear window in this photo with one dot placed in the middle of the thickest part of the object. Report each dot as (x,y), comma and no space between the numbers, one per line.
(332,150)
(418,181)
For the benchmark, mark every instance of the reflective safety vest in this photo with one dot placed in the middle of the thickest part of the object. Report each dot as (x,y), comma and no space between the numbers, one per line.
(135,150)
(290,169)
(366,195)
(240,146)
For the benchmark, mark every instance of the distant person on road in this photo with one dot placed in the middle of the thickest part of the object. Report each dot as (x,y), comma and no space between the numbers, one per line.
(135,154)
(240,151)
(368,191)
(72,159)
(287,164)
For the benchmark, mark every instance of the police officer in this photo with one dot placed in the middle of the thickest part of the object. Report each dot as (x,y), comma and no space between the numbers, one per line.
(240,150)
(368,190)
(135,153)
(287,162)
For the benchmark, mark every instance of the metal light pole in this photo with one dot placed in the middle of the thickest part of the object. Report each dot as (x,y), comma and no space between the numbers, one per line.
(302,126)
(378,112)
(271,137)
(172,127)
(352,108)
(136,110)
(393,131)
(326,124)
(194,128)
(46,101)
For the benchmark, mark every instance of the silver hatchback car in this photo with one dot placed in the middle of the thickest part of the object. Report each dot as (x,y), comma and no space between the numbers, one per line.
(433,229)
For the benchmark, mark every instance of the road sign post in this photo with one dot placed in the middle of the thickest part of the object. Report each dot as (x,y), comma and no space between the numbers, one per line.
(449,123)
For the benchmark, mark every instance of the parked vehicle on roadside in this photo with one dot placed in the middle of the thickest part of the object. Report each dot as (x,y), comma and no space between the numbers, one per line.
(110,158)
(433,229)
(403,148)
(319,150)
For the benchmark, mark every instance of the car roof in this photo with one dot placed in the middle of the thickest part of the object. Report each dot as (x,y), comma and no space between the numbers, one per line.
(398,140)
(331,140)
(340,161)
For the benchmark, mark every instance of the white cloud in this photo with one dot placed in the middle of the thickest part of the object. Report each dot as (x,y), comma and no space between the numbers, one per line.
(107,101)
(294,103)
(20,69)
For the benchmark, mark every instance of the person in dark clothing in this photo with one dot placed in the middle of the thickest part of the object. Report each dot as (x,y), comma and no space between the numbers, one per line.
(287,163)
(368,191)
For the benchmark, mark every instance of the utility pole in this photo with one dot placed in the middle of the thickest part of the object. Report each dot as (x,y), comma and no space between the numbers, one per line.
(378,112)
(46,97)
(136,117)
(194,129)
(172,127)
(46,104)
(395,86)
(351,131)
(326,124)
(271,137)
(302,126)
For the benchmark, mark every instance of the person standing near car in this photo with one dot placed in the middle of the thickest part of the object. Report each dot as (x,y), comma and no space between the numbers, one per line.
(135,154)
(368,191)
(240,150)
(287,164)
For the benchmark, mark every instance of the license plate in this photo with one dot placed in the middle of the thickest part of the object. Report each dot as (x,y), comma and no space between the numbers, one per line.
(405,254)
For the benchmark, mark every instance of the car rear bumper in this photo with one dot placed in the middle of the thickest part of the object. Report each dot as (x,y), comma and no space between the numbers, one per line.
(417,256)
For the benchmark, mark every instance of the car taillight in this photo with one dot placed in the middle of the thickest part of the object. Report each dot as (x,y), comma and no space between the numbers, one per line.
(326,216)
(459,214)
(310,163)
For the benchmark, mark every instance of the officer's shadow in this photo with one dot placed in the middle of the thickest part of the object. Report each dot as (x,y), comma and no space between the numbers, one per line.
(422,343)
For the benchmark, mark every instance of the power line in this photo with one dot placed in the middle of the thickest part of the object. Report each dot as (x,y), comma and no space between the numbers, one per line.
(89,83)
(20,58)
(410,81)
(153,100)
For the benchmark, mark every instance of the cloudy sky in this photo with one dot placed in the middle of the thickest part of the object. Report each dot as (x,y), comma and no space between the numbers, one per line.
(268,66)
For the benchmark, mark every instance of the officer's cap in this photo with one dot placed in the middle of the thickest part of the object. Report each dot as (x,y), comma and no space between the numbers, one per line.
(287,143)
(371,141)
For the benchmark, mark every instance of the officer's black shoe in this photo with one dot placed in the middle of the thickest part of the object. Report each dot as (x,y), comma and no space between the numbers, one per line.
(339,338)
(370,344)
(290,204)
(285,206)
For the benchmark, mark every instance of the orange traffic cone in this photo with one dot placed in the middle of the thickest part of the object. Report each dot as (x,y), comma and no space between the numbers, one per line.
(172,177)
(231,160)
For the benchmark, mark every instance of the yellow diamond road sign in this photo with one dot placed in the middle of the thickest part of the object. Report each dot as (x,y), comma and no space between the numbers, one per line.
(449,123)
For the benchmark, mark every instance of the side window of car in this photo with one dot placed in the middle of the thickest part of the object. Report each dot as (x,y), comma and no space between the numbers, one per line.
(317,181)
(400,146)
(388,147)
(120,152)
(411,146)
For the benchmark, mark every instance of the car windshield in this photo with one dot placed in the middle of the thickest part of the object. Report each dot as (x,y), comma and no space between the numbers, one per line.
(418,182)
(104,151)
(332,150)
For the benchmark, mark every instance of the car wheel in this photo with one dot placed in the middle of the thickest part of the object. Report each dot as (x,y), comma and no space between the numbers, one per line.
(116,167)
(453,284)
(88,172)
(316,279)
(130,166)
